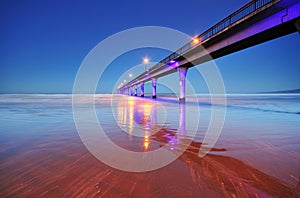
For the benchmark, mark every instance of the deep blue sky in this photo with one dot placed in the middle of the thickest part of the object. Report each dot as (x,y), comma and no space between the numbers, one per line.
(42,43)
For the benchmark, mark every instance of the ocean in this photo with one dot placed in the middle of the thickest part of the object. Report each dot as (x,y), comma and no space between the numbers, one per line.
(45,152)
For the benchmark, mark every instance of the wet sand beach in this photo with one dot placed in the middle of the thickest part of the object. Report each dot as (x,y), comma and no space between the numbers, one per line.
(42,155)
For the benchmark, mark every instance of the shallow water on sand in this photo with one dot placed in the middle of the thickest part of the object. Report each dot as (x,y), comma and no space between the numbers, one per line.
(257,153)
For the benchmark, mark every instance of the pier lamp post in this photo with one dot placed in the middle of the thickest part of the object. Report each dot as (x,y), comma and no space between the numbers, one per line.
(129,89)
(146,62)
(196,40)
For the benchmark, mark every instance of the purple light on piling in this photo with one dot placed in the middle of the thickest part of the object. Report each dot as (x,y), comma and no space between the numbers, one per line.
(173,63)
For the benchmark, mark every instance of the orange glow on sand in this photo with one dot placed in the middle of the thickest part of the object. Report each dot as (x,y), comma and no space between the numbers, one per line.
(131,102)
(146,142)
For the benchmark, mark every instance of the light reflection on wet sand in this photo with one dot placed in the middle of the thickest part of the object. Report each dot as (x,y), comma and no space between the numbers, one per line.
(56,164)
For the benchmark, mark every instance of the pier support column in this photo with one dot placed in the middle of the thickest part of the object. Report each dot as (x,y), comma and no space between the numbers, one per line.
(182,78)
(135,90)
(142,90)
(154,87)
(297,25)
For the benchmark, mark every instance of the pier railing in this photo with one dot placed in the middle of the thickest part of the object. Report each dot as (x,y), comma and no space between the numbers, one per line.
(242,13)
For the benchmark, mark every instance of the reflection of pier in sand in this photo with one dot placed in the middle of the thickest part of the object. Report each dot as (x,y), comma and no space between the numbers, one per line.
(137,114)
(228,176)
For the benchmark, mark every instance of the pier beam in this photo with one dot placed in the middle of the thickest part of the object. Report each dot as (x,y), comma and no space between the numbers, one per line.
(154,87)
(182,78)
(142,89)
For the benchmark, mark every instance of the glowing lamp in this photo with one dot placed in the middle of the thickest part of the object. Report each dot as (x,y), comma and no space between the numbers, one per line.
(146,60)
(196,41)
